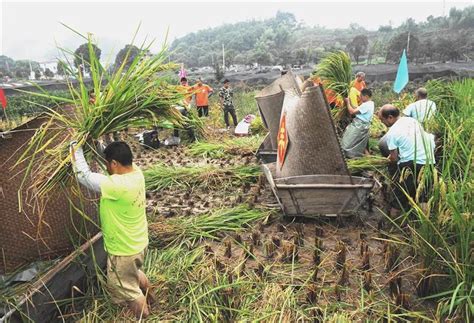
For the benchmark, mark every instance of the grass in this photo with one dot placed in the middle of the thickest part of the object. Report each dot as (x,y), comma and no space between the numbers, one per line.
(162,176)
(441,233)
(234,146)
(207,226)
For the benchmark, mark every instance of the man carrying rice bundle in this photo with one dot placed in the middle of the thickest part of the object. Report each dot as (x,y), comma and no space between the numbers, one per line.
(123,223)
(356,136)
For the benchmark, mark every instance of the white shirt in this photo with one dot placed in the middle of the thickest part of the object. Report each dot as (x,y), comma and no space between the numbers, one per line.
(421,110)
(413,143)
(366,111)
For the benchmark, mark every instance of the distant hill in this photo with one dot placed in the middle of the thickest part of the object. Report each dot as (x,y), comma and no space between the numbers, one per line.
(282,41)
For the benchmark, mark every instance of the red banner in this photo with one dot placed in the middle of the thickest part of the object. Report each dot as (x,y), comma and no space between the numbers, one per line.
(282,141)
(3,99)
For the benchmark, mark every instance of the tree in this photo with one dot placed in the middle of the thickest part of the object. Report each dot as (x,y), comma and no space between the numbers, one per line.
(230,57)
(37,74)
(48,73)
(82,57)
(128,53)
(7,65)
(385,29)
(62,68)
(398,43)
(358,47)
(448,49)
(24,67)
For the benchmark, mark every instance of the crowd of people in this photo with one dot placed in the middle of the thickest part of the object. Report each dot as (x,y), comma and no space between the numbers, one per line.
(201,93)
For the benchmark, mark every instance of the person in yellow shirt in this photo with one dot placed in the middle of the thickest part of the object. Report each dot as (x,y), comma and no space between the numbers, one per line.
(123,223)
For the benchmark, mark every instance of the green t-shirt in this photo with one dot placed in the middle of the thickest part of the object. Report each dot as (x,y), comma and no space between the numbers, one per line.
(123,213)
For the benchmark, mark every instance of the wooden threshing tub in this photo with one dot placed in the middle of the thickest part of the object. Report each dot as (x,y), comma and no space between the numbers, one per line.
(318,195)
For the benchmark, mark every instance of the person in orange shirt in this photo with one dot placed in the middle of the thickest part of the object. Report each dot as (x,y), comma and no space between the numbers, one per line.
(359,82)
(202,93)
(331,96)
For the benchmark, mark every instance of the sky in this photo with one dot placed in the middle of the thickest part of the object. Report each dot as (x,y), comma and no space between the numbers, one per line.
(33,29)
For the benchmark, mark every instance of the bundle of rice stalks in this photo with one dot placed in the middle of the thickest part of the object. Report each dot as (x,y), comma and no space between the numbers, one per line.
(370,162)
(135,97)
(210,226)
(336,71)
(377,128)
(233,146)
(163,176)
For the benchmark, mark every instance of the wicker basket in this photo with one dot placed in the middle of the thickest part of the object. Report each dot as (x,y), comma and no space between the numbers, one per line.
(313,147)
(25,236)
(270,102)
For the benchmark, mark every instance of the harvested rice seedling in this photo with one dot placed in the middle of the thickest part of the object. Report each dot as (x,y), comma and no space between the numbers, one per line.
(375,163)
(161,176)
(233,146)
(209,226)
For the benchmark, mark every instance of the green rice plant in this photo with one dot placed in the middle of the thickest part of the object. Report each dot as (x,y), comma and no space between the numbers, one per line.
(132,97)
(244,102)
(442,230)
(209,226)
(232,146)
(162,176)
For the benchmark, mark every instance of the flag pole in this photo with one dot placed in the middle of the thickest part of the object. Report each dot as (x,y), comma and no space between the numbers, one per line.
(408,43)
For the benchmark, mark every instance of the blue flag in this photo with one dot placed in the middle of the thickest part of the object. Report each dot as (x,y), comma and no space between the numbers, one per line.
(402,74)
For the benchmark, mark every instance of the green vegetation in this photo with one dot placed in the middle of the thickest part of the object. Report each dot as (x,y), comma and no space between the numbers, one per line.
(281,40)
(235,146)
(31,104)
(163,176)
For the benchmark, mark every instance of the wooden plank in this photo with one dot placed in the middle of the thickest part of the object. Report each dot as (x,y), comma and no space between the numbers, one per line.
(322,186)
(40,303)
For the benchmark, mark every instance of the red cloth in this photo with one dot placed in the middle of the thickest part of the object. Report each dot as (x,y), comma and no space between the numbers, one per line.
(3,99)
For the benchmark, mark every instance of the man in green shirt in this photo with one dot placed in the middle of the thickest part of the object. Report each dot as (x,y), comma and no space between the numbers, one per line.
(123,222)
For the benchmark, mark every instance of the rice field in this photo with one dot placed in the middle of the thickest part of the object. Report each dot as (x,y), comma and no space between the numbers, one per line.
(221,250)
